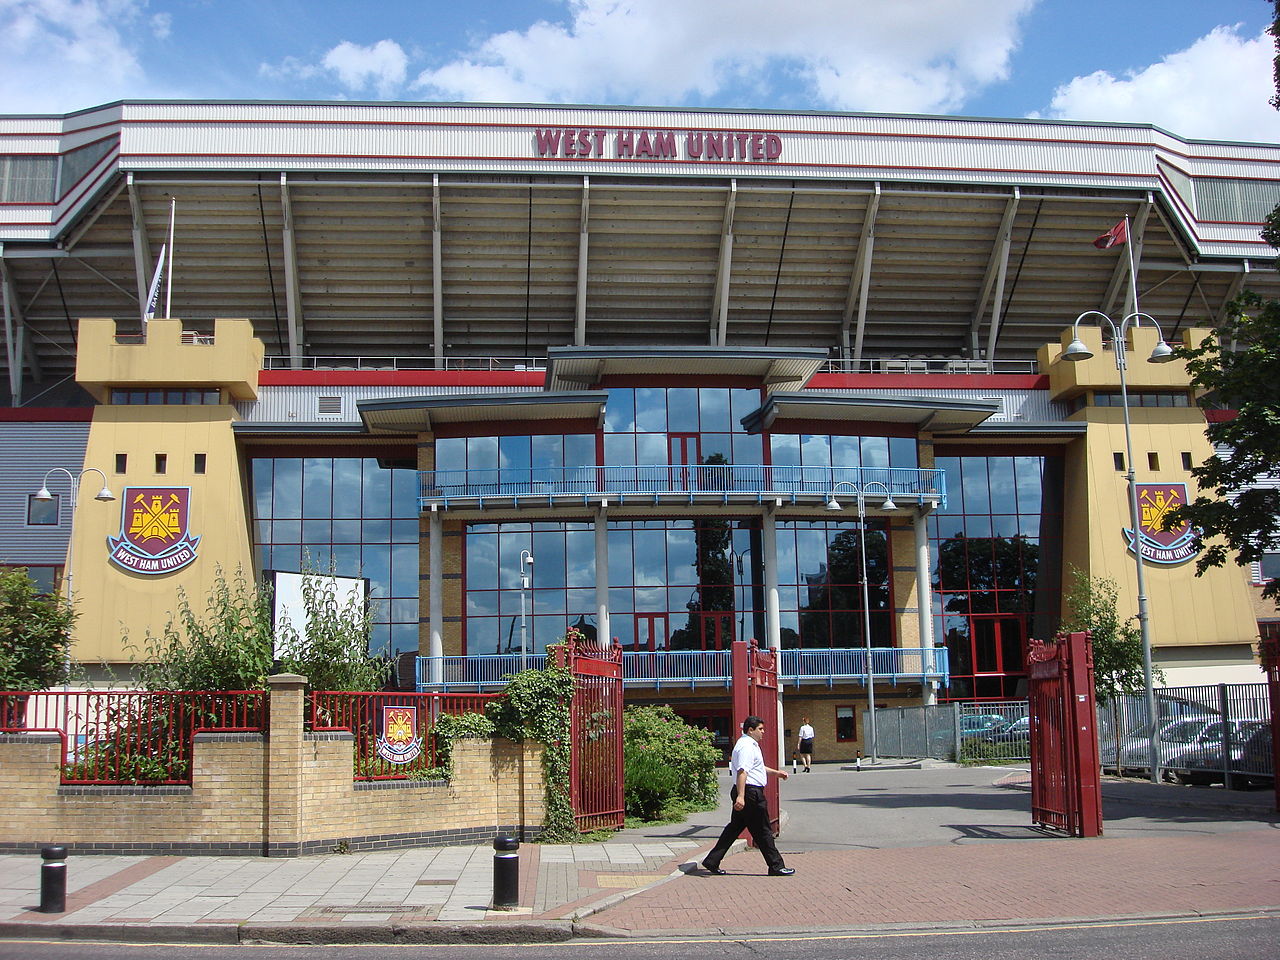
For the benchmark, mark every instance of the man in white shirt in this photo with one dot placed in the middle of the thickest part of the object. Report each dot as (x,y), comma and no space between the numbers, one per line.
(750,808)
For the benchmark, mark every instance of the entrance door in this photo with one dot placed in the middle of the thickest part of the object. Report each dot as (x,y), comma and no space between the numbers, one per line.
(684,453)
(999,668)
(716,629)
(651,632)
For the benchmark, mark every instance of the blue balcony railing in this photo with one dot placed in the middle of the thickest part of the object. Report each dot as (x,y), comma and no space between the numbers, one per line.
(693,668)
(443,488)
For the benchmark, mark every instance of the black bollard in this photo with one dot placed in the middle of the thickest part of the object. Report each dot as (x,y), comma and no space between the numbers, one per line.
(53,879)
(506,871)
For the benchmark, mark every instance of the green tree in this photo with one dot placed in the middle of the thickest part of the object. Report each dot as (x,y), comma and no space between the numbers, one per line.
(332,651)
(35,634)
(1239,368)
(1117,642)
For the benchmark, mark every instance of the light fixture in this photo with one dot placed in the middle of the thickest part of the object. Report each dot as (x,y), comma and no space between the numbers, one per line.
(1076,350)
(832,504)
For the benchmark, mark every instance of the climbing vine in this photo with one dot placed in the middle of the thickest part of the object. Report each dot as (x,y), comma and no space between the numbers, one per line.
(536,707)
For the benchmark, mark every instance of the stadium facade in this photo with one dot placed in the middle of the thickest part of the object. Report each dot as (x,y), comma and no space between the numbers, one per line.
(796,377)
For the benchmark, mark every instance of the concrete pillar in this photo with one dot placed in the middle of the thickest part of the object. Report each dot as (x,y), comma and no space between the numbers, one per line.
(287,692)
(435,599)
(924,599)
(769,547)
(604,634)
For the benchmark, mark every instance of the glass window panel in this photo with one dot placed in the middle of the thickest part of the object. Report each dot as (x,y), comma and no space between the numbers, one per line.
(482,453)
(742,403)
(512,539)
(1028,472)
(546,452)
(651,448)
(902,452)
(286,558)
(261,471)
(346,560)
(620,449)
(404,492)
(404,570)
(346,487)
(651,410)
(717,445)
(713,407)
(1029,525)
(651,600)
(451,453)
(548,601)
(286,531)
(681,557)
(682,409)
(403,530)
(650,558)
(845,451)
(875,451)
(785,448)
(316,531)
(404,637)
(948,525)
(286,489)
(748,448)
(317,487)
(346,531)
(978,526)
(376,565)
(620,563)
(620,602)
(620,411)
(580,558)
(579,449)
(1005,525)
(815,450)
(548,549)
(376,499)
(403,611)
(582,601)
(1000,482)
(482,603)
(975,497)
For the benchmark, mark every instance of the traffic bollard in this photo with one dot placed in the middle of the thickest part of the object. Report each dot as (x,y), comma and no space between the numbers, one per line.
(506,872)
(53,879)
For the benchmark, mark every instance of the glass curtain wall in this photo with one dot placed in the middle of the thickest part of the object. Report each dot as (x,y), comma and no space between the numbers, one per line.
(995,554)
(351,516)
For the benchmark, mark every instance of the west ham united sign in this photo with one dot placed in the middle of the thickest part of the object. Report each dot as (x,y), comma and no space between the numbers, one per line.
(1155,501)
(154,534)
(399,742)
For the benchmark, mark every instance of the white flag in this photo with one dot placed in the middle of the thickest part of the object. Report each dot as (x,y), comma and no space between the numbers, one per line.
(154,293)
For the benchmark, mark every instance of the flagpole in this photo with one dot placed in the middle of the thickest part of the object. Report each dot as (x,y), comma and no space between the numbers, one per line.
(168,287)
(1133,272)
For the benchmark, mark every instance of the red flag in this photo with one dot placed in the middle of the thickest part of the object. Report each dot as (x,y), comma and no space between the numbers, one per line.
(1114,237)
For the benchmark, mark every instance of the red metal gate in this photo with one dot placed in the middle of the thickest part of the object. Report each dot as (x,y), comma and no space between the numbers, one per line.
(595,771)
(1269,650)
(755,693)
(1066,789)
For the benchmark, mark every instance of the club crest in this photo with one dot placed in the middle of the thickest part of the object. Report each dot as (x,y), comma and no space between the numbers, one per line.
(1155,502)
(399,742)
(154,534)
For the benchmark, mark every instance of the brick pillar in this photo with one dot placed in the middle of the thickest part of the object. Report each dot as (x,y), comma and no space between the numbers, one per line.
(284,765)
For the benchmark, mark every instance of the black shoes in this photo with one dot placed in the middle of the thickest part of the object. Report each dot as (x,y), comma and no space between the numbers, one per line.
(715,870)
(780,872)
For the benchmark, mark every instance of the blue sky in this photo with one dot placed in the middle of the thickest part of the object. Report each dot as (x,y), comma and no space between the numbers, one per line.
(1200,68)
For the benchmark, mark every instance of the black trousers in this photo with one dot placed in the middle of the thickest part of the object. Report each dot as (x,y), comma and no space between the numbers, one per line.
(753,817)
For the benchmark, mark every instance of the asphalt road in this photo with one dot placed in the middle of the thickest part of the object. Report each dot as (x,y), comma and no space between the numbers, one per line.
(1237,938)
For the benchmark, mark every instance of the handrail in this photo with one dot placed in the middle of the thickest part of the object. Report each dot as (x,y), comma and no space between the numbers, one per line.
(702,667)
(441,486)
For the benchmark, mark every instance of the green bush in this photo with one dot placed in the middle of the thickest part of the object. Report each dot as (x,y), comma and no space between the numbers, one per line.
(974,751)
(666,762)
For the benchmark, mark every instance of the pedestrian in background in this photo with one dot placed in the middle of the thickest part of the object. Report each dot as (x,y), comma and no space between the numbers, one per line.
(750,808)
(805,744)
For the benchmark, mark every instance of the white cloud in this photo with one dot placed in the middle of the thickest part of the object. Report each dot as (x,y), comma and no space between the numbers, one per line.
(1217,88)
(61,55)
(381,65)
(922,56)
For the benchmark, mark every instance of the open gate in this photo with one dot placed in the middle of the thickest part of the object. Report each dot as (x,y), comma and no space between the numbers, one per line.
(1269,652)
(595,716)
(1066,788)
(755,693)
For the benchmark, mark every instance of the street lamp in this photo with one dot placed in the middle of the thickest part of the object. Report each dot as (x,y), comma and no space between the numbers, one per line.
(104,496)
(526,574)
(861,490)
(1162,353)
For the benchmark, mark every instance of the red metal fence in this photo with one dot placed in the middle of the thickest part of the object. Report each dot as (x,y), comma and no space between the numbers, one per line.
(130,736)
(1269,652)
(394,732)
(595,716)
(1066,788)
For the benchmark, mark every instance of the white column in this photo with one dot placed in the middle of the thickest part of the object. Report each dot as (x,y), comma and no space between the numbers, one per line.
(435,593)
(769,546)
(603,634)
(924,599)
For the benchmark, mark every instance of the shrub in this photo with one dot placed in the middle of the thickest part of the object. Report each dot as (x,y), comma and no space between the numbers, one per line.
(974,751)
(667,762)
(35,634)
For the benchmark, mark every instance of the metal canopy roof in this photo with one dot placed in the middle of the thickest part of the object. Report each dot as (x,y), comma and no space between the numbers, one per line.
(936,414)
(424,414)
(569,366)
(366,258)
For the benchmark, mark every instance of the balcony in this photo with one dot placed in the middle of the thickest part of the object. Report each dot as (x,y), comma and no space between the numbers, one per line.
(703,668)
(676,483)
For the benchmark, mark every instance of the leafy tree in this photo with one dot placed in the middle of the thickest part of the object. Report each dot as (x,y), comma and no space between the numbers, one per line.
(669,764)
(332,652)
(1240,370)
(35,633)
(1117,643)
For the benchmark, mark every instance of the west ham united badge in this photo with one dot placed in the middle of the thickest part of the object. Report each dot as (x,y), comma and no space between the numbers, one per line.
(1155,501)
(399,742)
(154,535)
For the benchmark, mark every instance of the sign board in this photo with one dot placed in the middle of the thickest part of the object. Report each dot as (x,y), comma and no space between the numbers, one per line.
(288,603)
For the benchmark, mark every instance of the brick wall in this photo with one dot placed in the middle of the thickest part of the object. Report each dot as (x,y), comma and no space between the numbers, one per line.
(287,794)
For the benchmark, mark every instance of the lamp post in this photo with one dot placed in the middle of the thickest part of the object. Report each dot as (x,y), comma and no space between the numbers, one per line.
(104,496)
(1161,353)
(526,574)
(860,490)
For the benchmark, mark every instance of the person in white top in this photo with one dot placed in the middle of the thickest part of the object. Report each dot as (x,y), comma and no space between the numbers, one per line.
(750,808)
(804,744)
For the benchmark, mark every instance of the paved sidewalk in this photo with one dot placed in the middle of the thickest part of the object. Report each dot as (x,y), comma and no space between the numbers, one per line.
(940,846)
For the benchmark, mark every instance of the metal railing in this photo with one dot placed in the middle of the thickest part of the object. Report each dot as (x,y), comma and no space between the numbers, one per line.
(692,668)
(130,736)
(646,480)
(394,733)
(931,365)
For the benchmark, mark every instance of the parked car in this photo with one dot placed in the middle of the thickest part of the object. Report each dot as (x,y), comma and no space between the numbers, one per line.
(1175,738)
(1016,729)
(976,724)
(1251,760)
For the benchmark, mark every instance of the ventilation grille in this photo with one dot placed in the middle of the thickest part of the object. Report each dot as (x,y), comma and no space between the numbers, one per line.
(328,406)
